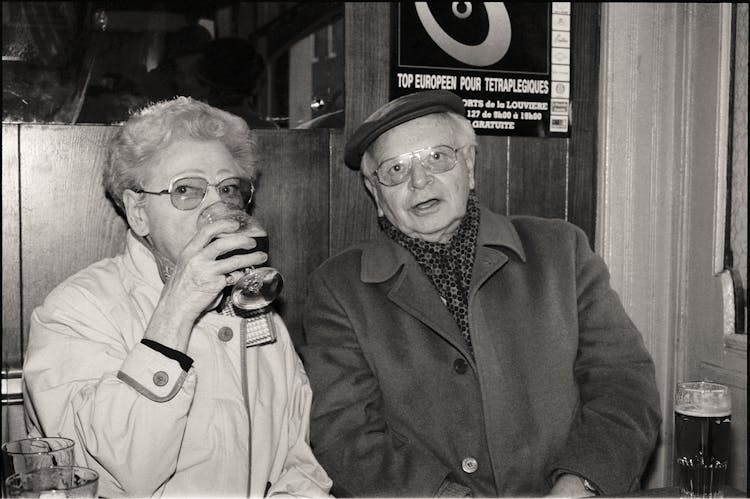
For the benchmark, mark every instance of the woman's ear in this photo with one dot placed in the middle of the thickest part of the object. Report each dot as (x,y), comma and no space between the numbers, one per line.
(135,210)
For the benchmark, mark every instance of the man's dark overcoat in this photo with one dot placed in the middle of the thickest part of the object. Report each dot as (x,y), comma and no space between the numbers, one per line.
(559,379)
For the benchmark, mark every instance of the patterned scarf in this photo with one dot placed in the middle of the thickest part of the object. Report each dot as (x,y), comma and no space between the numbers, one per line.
(448,265)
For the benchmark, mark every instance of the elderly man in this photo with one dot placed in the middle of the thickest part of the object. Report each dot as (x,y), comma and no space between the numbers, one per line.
(468,353)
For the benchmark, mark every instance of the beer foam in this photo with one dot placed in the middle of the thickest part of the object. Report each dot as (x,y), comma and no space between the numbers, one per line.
(717,411)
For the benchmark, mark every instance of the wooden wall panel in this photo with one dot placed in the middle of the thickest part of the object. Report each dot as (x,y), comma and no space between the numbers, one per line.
(292,203)
(491,172)
(12,337)
(66,221)
(352,212)
(537,177)
(585,110)
(13,424)
(367,34)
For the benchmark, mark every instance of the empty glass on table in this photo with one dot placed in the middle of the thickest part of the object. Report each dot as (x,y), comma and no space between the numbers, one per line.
(28,454)
(57,481)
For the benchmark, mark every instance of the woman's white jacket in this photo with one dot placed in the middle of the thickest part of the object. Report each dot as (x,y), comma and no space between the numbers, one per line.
(147,426)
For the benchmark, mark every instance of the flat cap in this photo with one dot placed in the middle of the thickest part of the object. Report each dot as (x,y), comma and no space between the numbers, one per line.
(394,113)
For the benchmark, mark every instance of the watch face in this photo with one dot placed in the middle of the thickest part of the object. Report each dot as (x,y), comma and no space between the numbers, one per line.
(587,485)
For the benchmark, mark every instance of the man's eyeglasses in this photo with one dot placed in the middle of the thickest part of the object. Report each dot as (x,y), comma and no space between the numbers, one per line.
(188,192)
(436,159)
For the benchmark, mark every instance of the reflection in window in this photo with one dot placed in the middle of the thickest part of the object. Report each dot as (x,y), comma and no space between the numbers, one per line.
(94,62)
(46,60)
(316,78)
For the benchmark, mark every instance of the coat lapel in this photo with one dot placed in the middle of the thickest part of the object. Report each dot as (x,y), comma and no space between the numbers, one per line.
(411,291)
(414,293)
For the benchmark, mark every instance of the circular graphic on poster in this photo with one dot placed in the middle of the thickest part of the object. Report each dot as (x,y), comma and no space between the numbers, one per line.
(486,36)
(488,51)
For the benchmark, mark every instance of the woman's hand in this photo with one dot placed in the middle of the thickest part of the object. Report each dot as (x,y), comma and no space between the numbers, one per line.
(198,278)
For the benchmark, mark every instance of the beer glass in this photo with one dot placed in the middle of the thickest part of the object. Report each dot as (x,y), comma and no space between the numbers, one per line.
(33,453)
(58,481)
(258,286)
(28,454)
(702,414)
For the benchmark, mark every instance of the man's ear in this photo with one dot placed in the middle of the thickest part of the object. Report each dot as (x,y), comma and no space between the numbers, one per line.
(135,210)
(470,157)
(373,190)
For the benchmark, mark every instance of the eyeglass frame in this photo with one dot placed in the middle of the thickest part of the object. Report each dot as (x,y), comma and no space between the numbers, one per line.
(208,184)
(411,155)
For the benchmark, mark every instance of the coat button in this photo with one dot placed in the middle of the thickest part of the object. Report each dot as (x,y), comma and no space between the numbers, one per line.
(225,333)
(460,365)
(469,464)
(161,378)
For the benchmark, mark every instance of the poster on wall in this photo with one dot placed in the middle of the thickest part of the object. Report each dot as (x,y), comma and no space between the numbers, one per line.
(509,62)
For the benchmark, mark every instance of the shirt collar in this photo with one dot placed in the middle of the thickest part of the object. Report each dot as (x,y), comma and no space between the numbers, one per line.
(142,261)
(382,258)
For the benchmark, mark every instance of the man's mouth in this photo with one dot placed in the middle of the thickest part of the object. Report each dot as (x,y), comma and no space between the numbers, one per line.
(426,205)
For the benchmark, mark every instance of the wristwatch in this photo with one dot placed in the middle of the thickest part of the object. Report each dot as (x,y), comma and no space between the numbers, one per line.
(588,486)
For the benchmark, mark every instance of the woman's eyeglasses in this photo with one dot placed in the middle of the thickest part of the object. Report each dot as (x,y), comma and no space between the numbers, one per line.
(436,159)
(188,192)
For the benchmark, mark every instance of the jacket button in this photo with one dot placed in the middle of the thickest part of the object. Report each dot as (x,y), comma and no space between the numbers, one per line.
(469,464)
(225,333)
(460,365)
(161,378)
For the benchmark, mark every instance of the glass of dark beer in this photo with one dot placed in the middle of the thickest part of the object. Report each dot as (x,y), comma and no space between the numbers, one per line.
(259,286)
(702,415)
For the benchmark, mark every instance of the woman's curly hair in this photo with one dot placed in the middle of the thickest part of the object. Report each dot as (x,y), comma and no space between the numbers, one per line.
(137,144)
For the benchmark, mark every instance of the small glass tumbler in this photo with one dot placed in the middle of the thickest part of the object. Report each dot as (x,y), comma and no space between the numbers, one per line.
(34,453)
(702,416)
(58,481)
(28,454)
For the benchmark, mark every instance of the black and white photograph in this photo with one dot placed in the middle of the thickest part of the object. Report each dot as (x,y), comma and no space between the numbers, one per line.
(374,249)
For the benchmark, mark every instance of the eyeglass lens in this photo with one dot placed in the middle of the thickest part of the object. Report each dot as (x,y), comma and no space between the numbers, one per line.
(187,193)
(436,159)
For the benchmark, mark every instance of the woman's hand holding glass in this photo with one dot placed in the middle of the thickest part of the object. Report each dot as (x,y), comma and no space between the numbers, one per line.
(257,287)
(215,257)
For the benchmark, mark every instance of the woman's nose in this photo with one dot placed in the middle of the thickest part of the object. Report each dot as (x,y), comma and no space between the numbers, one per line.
(212,195)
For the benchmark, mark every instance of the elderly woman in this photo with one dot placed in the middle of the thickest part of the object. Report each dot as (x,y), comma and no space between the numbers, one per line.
(468,353)
(142,360)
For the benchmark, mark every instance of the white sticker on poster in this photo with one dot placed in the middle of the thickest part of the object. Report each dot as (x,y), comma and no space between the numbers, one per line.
(560,72)
(560,89)
(558,123)
(561,38)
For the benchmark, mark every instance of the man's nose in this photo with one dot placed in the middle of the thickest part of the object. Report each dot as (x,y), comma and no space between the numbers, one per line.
(420,177)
